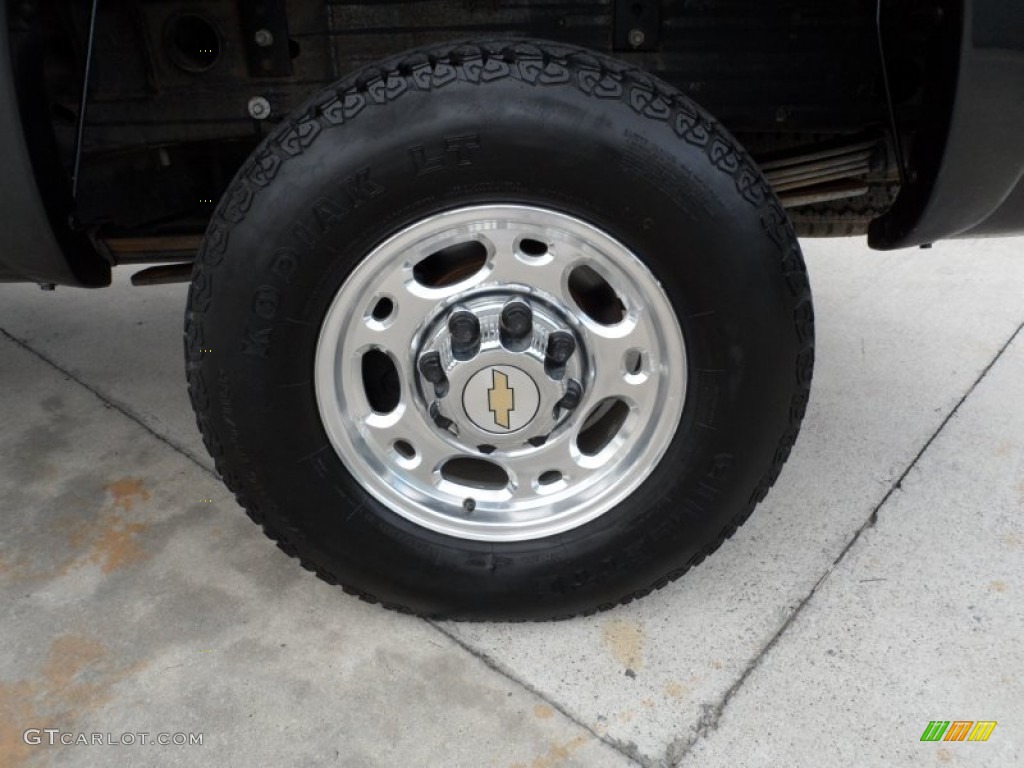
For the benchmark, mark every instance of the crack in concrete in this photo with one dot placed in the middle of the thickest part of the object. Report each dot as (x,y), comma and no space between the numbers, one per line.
(711,714)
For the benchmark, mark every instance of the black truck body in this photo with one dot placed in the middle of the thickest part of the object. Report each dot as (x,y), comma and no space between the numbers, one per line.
(901,120)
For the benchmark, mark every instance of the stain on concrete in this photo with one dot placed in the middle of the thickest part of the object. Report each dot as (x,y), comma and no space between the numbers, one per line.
(543,711)
(556,755)
(16,569)
(33,450)
(76,677)
(625,640)
(125,492)
(1013,540)
(111,542)
(17,713)
(76,538)
(997,586)
(675,690)
(69,655)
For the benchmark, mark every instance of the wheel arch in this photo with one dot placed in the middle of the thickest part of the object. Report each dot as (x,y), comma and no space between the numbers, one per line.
(971,162)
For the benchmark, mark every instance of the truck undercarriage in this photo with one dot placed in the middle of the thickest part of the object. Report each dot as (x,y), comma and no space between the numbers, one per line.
(180,93)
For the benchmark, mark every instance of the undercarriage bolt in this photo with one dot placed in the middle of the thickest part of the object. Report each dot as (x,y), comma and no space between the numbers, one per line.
(440,419)
(464,328)
(516,325)
(572,397)
(264,38)
(430,366)
(561,345)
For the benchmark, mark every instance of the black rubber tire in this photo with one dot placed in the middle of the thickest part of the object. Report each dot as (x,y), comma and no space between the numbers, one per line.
(537,123)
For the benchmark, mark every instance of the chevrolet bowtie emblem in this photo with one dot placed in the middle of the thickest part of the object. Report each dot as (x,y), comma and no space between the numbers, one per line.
(501,399)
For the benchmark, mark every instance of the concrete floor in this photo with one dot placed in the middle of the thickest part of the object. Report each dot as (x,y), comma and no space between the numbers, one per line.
(879,586)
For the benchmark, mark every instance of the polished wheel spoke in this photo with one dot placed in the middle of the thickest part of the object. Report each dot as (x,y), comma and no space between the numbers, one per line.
(396,332)
(614,383)
(408,446)
(545,275)
(431,455)
(629,360)
(535,473)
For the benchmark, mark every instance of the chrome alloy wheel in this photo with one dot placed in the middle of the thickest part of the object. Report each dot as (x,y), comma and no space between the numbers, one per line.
(500,373)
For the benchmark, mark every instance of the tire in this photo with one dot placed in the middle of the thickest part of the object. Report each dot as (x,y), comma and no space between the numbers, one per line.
(611,167)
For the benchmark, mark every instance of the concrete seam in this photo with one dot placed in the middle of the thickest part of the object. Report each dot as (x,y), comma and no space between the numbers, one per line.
(110,403)
(712,713)
(627,750)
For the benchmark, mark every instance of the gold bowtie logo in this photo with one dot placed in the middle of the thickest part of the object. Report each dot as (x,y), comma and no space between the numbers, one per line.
(501,399)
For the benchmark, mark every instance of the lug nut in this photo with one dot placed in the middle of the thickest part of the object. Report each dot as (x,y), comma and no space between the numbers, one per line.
(430,367)
(516,325)
(572,397)
(440,419)
(464,328)
(561,346)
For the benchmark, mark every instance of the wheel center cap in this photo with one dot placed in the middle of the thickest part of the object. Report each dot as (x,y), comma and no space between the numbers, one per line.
(501,399)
